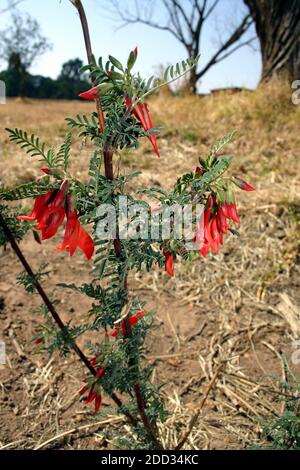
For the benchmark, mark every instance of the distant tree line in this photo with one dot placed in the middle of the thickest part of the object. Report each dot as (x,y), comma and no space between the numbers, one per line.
(19,82)
(21,44)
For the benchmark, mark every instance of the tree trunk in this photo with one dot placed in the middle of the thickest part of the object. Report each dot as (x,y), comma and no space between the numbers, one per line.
(193,81)
(278,28)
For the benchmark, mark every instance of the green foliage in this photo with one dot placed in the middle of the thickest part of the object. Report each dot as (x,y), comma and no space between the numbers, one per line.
(32,145)
(283,432)
(27,190)
(89,127)
(63,155)
(29,282)
(17,228)
(123,80)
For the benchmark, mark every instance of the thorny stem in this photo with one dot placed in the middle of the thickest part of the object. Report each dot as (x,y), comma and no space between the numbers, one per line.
(54,313)
(108,166)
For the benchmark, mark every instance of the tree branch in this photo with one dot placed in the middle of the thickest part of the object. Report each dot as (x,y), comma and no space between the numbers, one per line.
(235,36)
(10,6)
(185,23)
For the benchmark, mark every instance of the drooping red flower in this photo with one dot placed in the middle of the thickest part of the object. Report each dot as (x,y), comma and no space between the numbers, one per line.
(142,114)
(216,225)
(133,321)
(169,262)
(94,394)
(242,184)
(49,211)
(90,94)
(40,204)
(230,212)
(75,236)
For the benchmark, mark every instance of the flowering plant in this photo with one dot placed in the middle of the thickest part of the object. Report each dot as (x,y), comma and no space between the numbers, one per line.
(121,119)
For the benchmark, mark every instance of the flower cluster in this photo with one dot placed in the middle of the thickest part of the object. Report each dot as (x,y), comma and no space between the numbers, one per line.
(49,212)
(142,114)
(133,321)
(216,217)
(139,110)
(94,388)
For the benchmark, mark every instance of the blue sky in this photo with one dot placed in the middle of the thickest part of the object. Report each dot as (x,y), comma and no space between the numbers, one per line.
(60,23)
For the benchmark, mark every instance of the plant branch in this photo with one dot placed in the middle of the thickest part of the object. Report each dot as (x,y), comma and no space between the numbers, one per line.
(54,313)
(10,6)
(87,40)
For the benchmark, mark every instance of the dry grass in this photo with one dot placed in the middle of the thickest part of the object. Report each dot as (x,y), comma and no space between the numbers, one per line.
(239,308)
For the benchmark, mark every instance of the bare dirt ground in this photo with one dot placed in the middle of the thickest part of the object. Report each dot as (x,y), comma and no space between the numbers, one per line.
(239,308)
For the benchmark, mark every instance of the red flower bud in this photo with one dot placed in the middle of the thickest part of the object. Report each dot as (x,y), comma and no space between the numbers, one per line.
(169,262)
(242,184)
(90,94)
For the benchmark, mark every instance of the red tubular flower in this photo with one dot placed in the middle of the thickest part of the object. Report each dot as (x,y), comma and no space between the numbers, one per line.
(40,205)
(221,221)
(215,224)
(142,114)
(133,321)
(48,211)
(98,401)
(90,94)
(53,215)
(135,50)
(93,393)
(206,245)
(75,236)
(242,184)
(211,235)
(230,212)
(169,262)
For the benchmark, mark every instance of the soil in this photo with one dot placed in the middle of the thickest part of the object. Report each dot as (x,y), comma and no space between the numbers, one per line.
(38,395)
(236,312)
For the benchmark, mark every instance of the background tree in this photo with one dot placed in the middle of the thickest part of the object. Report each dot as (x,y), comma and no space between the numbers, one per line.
(185,19)
(278,28)
(15,77)
(22,42)
(71,81)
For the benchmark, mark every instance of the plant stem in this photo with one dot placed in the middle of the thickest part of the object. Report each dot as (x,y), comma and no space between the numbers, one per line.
(88,46)
(108,155)
(108,152)
(54,313)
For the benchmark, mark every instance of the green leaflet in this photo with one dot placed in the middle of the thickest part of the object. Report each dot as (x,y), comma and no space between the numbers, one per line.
(210,176)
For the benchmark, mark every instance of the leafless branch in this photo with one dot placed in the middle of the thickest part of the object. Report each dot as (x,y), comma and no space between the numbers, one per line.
(226,49)
(185,21)
(10,5)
